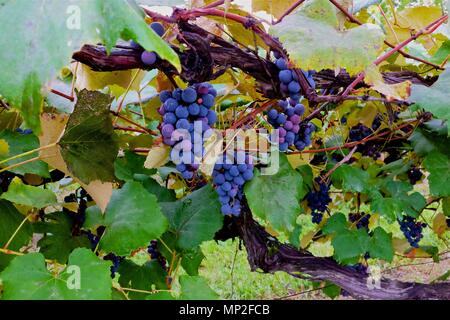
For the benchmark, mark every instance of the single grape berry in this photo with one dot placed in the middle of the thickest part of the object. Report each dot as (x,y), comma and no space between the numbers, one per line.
(158,28)
(148,58)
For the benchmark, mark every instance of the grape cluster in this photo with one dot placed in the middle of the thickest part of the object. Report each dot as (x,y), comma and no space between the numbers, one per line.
(149,58)
(94,238)
(187,120)
(412,230)
(414,175)
(155,254)
(361,219)
(116,260)
(229,177)
(292,131)
(289,80)
(318,200)
(360,132)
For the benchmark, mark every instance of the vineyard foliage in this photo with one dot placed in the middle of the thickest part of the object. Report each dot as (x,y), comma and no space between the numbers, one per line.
(98,201)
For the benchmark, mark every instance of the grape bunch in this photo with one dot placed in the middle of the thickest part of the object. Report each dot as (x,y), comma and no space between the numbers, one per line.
(149,58)
(229,177)
(361,219)
(155,254)
(414,175)
(291,129)
(116,260)
(412,230)
(289,79)
(360,132)
(318,200)
(187,120)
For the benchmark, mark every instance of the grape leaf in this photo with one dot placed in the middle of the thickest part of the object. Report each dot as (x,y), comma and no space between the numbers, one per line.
(439,167)
(276,197)
(380,245)
(426,141)
(196,288)
(274,8)
(58,241)
(314,43)
(434,98)
(18,144)
(27,278)
(352,178)
(35,197)
(132,218)
(142,277)
(152,186)
(10,221)
(88,145)
(349,245)
(195,218)
(191,261)
(129,165)
(46,44)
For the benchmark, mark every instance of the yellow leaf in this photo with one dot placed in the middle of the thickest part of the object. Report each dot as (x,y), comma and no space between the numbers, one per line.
(157,157)
(306,239)
(52,129)
(4,147)
(440,224)
(400,91)
(273,7)
(411,20)
(86,78)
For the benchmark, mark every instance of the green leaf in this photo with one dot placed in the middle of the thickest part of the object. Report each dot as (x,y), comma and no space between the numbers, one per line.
(191,261)
(349,245)
(35,197)
(276,197)
(336,224)
(18,144)
(353,179)
(27,278)
(332,290)
(439,167)
(58,241)
(380,245)
(308,177)
(195,218)
(142,277)
(10,221)
(47,44)
(129,165)
(434,98)
(327,48)
(425,141)
(196,288)
(88,145)
(132,218)
(152,186)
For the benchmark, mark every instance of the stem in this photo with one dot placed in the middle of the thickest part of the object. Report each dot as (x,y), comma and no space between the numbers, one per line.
(427,30)
(117,127)
(119,108)
(59,93)
(15,233)
(11,252)
(289,10)
(28,153)
(134,123)
(340,163)
(19,164)
(353,19)
(355,143)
